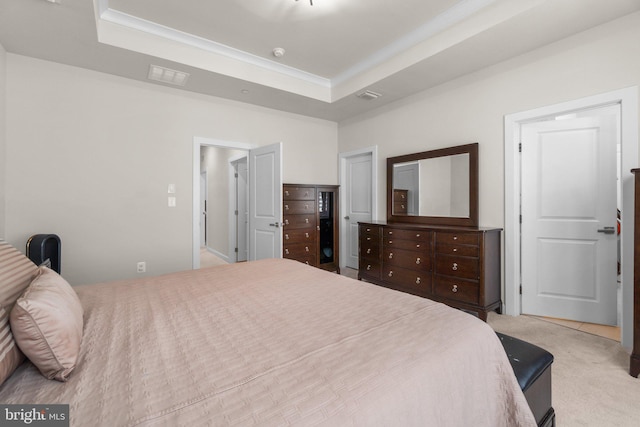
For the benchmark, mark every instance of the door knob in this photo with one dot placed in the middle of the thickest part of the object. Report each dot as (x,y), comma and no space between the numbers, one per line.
(347,218)
(276,225)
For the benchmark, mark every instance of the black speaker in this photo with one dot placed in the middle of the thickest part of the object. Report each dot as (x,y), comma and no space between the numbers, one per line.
(45,249)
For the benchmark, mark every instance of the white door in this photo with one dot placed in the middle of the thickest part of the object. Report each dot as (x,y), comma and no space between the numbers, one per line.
(265,202)
(569,243)
(358,202)
(242,218)
(203,209)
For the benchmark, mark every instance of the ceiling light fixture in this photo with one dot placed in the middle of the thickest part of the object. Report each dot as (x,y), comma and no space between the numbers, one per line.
(167,75)
(369,95)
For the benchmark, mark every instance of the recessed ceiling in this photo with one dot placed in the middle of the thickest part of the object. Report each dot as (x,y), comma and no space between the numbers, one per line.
(334,50)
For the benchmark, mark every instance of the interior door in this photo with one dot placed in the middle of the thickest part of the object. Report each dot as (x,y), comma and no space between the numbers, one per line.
(358,202)
(242,217)
(203,209)
(265,202)
(568,206)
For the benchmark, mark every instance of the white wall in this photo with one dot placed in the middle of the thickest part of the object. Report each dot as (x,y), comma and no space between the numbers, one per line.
(472,108)
(3,136)
(90,155)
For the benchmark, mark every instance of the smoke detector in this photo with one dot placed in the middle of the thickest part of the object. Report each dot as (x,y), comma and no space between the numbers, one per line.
(278,52)
(368,95)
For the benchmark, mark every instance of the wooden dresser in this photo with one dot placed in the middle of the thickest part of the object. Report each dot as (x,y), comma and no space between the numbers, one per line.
(459,266)
(310,225)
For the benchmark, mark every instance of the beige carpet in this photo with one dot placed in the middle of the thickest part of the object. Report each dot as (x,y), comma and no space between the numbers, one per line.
(590,374)
(207,259)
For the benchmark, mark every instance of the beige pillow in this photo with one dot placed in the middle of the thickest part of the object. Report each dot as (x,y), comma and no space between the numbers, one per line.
(47,324)
(16,272)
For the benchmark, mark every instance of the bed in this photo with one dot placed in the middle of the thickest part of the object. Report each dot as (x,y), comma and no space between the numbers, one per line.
(275,342)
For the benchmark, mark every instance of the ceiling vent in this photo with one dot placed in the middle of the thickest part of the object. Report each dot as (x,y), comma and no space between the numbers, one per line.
(368,95)
(166,75)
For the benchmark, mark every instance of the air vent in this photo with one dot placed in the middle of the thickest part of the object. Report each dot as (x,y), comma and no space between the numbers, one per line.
(368,95)
(166,75)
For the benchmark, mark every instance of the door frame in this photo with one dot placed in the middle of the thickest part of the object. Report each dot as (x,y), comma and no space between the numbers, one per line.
(233,204)
(628,100)
(198,142)
(342,168)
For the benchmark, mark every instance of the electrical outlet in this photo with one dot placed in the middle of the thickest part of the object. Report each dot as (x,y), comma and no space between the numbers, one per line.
(142,267)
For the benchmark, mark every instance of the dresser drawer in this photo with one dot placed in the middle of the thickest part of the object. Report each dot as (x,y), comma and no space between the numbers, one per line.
(369,249)
(456,289)
(457,266)
(299,235)
(454,238)
(299,207)
(409,279)
(369,231)
(459,250)
(298,193)
(299,221)
(305,259)
(414,245)
(298,249)
(395,233)
(399,208)
(416,260)
(369,267)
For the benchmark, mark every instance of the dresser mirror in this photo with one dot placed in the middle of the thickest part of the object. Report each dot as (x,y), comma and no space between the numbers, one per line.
(434,187)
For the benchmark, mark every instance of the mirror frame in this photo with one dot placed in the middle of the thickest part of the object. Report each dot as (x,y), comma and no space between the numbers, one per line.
(471,220)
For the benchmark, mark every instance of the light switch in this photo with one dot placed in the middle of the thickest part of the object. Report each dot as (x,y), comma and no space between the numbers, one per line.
(171,189)
(171,201)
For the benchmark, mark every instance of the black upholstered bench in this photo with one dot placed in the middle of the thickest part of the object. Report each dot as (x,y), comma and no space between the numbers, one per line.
(532,366)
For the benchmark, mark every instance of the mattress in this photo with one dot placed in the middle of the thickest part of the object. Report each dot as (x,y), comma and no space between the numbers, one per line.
(275,342)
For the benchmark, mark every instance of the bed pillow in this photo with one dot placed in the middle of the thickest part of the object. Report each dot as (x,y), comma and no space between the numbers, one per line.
(47,324)
(16,272)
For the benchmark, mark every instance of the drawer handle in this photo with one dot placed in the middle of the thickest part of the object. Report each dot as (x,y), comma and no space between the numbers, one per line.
(286,237)
(390,242)
(455,249)
(368,238)
(401,206)
(286,192)
(368,250)
(306,220)
(390,255)
(455,237)
(402,195)
(418,235)
(368,267)
(307,262)
(368,230)
(306,194)
(286,207)
(391,232)
(305,235)
(417,246)
(417,280)
(306,206)
(390,273)
(455,288)
(455,266)
(418,260)
(286,221)
(306,248)
(286,251)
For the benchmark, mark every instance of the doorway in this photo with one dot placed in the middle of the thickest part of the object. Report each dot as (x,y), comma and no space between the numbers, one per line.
(358,199)
(627,99)
(569,239)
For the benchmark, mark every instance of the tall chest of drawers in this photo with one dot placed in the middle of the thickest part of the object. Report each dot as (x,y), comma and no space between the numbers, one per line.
(310,225)
(457,266)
